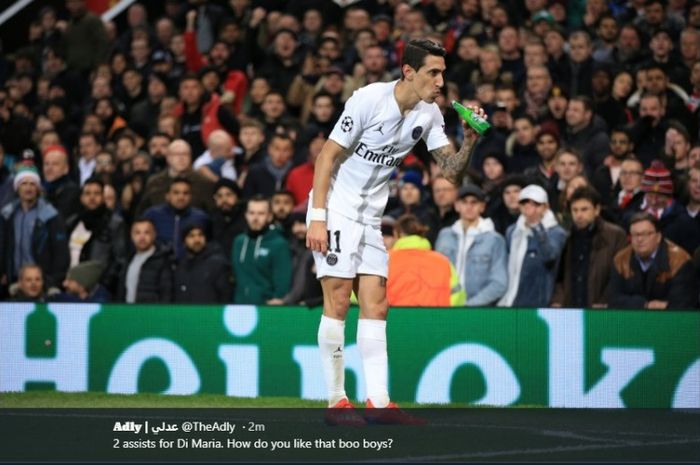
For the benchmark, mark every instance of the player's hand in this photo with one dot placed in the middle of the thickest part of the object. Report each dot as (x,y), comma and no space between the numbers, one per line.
(470,135)
(317,237)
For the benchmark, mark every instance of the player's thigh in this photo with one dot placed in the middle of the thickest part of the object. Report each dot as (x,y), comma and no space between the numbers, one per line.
(372,258)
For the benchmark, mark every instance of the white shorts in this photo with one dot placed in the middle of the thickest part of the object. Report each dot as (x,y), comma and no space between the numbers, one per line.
(353,248)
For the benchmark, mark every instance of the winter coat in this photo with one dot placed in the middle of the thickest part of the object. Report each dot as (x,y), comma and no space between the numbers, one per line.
(107,245)
(204,278)
(262,267)
(169,222)
(671,277)
(484,274)
(608,239)
(155,279)
(49,243)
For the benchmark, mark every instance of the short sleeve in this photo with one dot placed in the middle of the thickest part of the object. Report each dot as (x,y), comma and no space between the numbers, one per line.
(349,126)
(435,136)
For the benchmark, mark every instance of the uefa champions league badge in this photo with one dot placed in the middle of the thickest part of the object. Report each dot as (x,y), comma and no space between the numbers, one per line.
(346,124)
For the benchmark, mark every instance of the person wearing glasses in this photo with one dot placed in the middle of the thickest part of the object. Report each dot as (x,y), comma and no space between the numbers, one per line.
(652,272)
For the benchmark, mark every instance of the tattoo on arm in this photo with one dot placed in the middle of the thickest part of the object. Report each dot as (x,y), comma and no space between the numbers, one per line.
(453,165)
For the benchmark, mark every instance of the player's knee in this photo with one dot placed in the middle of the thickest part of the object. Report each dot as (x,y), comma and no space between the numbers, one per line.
(377,310)
(339,303)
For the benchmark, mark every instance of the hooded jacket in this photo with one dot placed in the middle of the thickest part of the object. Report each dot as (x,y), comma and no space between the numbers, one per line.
(480,258)
(49,242)
(262,266)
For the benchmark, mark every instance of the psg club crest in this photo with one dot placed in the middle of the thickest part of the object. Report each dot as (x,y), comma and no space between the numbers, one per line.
(331,259)
(346,124)
(417,131)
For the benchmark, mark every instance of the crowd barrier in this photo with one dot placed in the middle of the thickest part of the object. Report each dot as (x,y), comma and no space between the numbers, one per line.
(488,356)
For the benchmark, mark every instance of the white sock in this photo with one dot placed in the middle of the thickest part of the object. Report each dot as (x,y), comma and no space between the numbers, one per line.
(371,340)
(331,342)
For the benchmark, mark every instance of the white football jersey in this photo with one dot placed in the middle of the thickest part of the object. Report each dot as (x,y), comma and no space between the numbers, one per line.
(377,138)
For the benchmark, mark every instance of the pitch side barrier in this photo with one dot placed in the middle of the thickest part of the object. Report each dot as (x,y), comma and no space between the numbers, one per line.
(490,356)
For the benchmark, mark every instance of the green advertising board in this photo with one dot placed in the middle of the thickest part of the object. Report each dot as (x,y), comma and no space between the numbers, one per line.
(490,356)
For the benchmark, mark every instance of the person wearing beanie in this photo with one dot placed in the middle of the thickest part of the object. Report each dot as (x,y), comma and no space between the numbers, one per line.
(658,201)
(82,284)
(228,218)
(203,275)
(33,230)
(411,193)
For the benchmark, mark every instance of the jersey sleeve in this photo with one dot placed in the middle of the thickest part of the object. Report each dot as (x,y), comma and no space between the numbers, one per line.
(435,136)
(349,127)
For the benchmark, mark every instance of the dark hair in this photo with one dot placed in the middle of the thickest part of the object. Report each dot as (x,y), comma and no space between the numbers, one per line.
(409,225)
(623,130)
(143,219)
(161,134)
(283,192)
(93,180)
(416,50)
(643,216)
(585,100)
(585,193)
(179,180)
(259,198)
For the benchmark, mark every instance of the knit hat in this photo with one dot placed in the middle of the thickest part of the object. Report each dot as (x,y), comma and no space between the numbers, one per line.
(412,177)
(27,170)
(229,184)
(87,274)
(191,225)
(657,178)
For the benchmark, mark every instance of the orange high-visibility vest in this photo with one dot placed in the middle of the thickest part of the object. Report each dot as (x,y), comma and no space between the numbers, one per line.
(418,278)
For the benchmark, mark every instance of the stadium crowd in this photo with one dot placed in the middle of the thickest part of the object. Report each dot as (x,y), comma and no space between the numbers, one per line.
(170,160)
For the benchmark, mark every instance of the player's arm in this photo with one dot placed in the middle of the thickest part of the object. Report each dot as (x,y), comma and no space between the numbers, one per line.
(454,164)
(317,235)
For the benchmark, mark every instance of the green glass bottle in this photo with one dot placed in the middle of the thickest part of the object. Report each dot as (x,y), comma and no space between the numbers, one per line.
(479,124)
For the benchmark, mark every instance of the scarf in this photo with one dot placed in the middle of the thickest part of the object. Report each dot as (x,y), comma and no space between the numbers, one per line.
(277,172)
(466,240)
(93,219)
(518,249)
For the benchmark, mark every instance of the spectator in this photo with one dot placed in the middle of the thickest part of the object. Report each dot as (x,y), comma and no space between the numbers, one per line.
(82,284)
(252,140)
(568,166)
(538,84)
(268,177)
(176,211)
(30,285)
(97,233)
(534,243)
(585,133)
(61,191)
(179,165)
(444,198)
(584,271)
(88,148)
(505,209)
(217,160)
(652,272)
(84,39)
(158,150)
(649,131)
(300,179)
(523,153)
(580,71)
(545,174)
(476,250)
(419,276)
(148,274)
(674,223)
(34,232)
(147,110)
(607,175)
(411,201)
(305,288)
(282,203)
(261,259)
(203,275)
(228,217)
